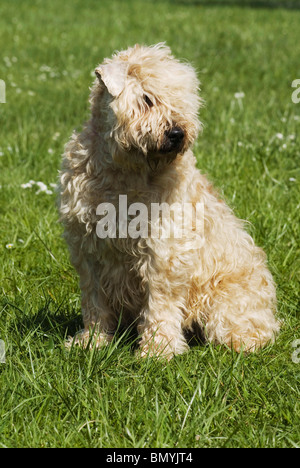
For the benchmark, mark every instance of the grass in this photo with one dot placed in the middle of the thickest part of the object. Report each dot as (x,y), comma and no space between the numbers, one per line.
(209,397)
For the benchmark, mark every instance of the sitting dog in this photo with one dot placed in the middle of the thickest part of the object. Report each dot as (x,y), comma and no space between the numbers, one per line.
(136,147)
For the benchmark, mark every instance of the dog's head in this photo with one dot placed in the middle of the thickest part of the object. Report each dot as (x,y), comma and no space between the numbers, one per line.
(147,103)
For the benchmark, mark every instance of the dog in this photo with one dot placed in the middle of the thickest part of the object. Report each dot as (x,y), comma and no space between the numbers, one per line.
(137,143)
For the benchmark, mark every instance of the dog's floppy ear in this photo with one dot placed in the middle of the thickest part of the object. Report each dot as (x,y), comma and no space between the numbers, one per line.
(113,75)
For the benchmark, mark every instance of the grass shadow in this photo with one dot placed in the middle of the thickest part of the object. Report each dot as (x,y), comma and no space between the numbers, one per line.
(271,4)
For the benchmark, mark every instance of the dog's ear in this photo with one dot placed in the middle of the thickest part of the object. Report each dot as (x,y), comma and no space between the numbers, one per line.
(113,75)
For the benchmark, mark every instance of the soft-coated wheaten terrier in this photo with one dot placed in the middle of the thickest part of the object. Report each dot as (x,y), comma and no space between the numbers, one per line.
(137,145)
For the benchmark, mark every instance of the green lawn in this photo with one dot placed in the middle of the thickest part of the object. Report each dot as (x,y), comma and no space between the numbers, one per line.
(250,149)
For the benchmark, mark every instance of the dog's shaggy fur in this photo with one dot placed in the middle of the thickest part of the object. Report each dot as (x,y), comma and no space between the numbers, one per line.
(144,120)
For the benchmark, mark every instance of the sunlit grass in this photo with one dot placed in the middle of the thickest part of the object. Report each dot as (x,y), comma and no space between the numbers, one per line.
(246,59)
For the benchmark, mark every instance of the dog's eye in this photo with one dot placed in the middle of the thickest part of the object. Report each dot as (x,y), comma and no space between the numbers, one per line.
(148,100)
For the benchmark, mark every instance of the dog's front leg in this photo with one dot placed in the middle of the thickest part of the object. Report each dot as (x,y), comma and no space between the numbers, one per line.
(98,318)
(160,325)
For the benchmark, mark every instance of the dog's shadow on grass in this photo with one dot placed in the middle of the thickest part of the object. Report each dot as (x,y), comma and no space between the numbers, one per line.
(64,322)
(61,323)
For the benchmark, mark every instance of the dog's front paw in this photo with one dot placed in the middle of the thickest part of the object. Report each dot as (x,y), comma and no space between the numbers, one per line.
(160,346)
(89,339)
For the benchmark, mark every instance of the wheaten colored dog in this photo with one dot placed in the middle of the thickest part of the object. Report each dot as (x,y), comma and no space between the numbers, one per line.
(144,120)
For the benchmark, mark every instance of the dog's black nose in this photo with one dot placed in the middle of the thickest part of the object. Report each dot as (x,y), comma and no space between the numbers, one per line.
(173,140)
(176,135)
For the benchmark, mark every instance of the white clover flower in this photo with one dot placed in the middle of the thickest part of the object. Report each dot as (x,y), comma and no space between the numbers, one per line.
(55,136)
(239,95)
(42,77)
(45,68)
(7,61)
(42,187)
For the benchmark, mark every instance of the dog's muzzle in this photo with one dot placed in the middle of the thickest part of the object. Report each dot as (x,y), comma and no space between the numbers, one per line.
(172,141)
(171,145)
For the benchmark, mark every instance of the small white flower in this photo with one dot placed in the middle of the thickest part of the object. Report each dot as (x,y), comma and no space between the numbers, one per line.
(9,246)
(31,93)
(239,95)
(42,77)
(292,179)
(42,187)
(296,117)
(55,136)
(284,146)
(50,151)
(239,143)
(292,137)
(1,153)
(25,186)
(7,61)
(49,192)
(279,136)
(45,68)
